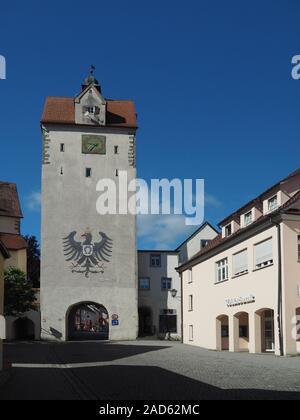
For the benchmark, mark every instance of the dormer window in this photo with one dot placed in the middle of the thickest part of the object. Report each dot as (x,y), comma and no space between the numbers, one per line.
(272,203)
(228,230)
(248,218)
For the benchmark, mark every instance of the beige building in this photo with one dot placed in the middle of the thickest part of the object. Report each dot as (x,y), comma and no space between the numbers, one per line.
(242,291)
(4,255)
(159,298)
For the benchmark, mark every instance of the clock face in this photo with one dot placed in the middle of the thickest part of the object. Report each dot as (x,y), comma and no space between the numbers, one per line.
(95,145)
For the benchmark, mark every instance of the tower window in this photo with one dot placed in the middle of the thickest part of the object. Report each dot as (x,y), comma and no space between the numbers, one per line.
(62,147)
(117,172)
(61,170)
(88,172)
(116,150)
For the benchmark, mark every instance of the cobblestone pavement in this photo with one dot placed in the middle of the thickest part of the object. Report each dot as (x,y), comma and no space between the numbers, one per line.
(144,370)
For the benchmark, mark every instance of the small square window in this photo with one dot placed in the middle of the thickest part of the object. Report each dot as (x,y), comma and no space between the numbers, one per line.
(144,283)
(62,147)
(166,283)
(155,260)
(88,172)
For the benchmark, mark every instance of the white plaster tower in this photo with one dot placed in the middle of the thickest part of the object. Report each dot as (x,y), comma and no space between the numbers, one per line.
(89,264)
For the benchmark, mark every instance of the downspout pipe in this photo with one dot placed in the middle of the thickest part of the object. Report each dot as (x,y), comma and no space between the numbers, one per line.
(279,299)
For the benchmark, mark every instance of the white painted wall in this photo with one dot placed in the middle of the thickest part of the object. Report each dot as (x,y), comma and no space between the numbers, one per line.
(68,204)
(155,298)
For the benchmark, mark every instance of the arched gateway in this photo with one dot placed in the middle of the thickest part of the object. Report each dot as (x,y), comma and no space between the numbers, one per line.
(87,321)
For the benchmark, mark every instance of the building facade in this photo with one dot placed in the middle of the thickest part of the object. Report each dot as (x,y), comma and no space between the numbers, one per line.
(242,291)
(25,325)
(88,260)
(159,285)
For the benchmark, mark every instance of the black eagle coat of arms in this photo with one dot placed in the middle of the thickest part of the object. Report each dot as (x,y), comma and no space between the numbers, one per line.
(87,256)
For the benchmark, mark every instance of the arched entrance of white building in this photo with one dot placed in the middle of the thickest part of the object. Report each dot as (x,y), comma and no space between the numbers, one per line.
(87,321)
(242,331)
(222,331)
(23,329)
(267,330)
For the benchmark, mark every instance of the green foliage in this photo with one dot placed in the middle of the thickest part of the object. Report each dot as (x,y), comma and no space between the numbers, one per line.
(18,294)
(33,261)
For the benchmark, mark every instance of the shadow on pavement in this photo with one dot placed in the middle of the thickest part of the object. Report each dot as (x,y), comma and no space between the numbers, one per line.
(121,383)
(72,352)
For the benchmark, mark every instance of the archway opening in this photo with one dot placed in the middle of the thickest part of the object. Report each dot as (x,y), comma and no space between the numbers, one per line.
(145,321)
(222,328)
(267,330)
(243,331)
(87,321)
(23,329)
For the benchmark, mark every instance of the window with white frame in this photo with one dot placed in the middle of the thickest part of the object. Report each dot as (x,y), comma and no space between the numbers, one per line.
(144,283)
(248,218)
(166,283)
(191,303)
(263,253)
(222,270)
(240,263)
(228,230)
(190,276)
(191,333)
(273,203)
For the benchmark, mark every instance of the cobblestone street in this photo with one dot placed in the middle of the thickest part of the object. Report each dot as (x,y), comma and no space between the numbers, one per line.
(143,370)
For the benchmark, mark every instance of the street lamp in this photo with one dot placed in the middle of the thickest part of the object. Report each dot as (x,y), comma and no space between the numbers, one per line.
(174,292)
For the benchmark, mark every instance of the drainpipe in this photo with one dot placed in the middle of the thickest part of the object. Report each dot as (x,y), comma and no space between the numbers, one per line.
(279,302)
(181,290)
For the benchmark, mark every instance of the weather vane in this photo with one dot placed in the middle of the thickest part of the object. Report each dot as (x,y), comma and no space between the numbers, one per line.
(92,69)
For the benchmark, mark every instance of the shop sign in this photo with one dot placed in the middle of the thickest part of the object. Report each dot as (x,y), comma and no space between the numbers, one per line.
(240,301)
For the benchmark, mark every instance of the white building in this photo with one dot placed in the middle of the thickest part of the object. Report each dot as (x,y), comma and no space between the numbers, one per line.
(88,261)
(242,291)
(160,286)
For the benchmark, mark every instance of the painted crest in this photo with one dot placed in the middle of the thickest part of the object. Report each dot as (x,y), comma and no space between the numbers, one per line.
(87,256)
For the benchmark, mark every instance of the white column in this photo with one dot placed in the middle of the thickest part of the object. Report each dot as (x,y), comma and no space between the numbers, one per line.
(233,334)
(254,333)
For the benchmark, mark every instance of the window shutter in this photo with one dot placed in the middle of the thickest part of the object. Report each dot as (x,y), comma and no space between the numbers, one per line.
(263,252)
(240,262)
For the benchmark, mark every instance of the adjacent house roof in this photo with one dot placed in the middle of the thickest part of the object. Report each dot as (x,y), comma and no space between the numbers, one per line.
(13,242)
(219,240)
(195,233)
(60,110)
(258,199)
(9,200)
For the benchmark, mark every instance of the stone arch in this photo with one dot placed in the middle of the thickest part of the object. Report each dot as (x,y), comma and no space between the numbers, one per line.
(87,321)
(222,332)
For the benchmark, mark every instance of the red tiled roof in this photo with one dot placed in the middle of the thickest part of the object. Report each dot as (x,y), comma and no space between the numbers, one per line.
(9,200)
(218,240)
(62,111)
(258,199)
(13,242)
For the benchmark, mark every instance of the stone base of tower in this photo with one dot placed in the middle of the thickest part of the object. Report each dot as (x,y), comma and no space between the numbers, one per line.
(90,315)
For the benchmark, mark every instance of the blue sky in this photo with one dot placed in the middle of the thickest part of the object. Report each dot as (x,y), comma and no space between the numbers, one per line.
(211,81)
